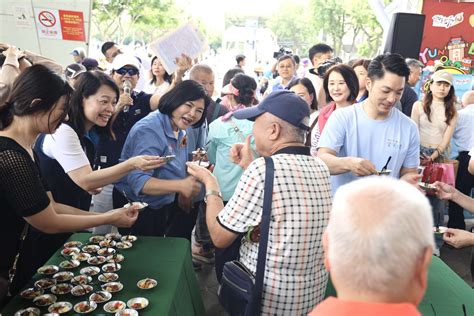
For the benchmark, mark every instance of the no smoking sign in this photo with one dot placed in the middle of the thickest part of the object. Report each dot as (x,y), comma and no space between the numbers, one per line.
(46,18)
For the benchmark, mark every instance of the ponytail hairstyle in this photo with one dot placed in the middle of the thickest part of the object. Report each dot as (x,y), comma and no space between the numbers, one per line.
(34,83)
(246,86)
(449,107)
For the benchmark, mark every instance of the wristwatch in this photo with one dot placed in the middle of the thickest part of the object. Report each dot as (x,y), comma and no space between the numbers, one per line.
(212,192)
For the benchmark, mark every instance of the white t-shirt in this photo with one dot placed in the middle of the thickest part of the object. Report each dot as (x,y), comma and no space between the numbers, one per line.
(351,133)
(65,147)
(151,88)
(471,153)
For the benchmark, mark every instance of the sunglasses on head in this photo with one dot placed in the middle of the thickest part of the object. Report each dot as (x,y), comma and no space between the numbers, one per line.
(131,71)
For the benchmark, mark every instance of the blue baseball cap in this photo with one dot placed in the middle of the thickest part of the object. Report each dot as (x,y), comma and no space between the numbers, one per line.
(284,104)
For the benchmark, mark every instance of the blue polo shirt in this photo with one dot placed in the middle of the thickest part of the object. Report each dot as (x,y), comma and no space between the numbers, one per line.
(109,150)
(153,135)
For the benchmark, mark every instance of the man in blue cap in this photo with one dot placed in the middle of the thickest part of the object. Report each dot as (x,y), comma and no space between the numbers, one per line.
(295,278)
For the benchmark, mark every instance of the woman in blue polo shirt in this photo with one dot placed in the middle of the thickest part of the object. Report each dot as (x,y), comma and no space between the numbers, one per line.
(168,189)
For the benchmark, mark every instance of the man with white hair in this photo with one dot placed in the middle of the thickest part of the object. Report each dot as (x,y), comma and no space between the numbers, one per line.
(378,247)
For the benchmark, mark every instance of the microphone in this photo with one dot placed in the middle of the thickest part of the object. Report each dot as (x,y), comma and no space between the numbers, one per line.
(127,88)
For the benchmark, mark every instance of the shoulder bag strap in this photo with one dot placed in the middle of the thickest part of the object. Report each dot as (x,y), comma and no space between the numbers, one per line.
(236,128)
(12,271)
(308,137)
(265,226)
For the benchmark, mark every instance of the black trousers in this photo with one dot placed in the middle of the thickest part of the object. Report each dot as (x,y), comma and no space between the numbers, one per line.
(464,183)
(169,221)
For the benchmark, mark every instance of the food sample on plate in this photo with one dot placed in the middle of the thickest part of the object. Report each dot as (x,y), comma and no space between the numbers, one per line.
(127,312)
(71,244)
(106,251)
(114,306)
(81,279)
(90,248)
(61,288)
(30,311)
(147,283)
(112,287)
(90,271)
(130,238)
(63,276)
(82,256)
(140,205)
(108,277)
(115,258)
(96,260)
(428,187)
(107,243)
(80,290)
(69,264)
(47,270)
(440,230)
(96,239)
(124,245)
(114,236)
(60,307)
(111,267)
(384,172)
(45,300)
(70,251)
(100,296)
(85,307)
(31,293)
(45,283)
(137,303)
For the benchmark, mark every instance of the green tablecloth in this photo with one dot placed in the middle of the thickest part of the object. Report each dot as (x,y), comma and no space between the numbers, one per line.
(168,260)
(446,292)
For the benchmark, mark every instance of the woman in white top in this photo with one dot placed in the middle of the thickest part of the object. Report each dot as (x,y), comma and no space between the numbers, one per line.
(160,80)
(436,118)
(66,157)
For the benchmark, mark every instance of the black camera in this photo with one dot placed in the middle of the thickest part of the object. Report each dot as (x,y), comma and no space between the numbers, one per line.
(321,70)
(282,51)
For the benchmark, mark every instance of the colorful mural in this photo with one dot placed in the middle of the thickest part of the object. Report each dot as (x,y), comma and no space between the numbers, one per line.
(448,36)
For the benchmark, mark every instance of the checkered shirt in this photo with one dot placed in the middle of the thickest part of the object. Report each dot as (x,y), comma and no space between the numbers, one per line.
(295,278)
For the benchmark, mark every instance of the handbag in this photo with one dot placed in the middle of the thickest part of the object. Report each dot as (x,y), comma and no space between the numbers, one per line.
(240,292)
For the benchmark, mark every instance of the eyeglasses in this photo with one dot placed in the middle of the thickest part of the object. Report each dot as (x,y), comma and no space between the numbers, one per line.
(131,71)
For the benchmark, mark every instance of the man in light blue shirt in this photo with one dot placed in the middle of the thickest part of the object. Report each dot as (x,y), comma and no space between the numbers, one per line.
(358,140)
(464,139)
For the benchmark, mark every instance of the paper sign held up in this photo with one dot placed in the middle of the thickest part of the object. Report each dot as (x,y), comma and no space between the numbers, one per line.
(187,40)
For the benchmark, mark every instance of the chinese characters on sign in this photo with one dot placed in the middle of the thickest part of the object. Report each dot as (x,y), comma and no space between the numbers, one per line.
(60,24)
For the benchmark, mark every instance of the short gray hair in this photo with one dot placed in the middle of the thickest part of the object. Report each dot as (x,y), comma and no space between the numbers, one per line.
(200,68)
(379,229)
(292,132)
(413,63)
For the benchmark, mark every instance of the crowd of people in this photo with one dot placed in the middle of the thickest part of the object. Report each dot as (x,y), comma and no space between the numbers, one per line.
(347,141)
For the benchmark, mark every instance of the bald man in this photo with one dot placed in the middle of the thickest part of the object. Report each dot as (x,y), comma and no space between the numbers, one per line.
(377,266)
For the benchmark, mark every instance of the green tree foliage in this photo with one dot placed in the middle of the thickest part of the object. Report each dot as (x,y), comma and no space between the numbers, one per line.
(293,28)
(141,19)
(338,19)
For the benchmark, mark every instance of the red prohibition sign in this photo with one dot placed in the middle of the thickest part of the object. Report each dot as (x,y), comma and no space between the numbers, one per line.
(47,18)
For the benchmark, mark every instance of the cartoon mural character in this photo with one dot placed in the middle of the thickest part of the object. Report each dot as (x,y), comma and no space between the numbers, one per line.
(455,48)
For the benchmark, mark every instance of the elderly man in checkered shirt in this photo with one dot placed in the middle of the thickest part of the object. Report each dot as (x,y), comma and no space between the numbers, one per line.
(295,278)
